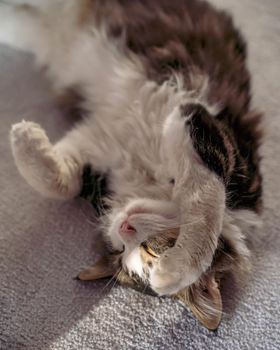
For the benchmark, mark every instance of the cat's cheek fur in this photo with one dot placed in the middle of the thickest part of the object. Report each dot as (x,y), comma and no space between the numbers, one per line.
(133,262)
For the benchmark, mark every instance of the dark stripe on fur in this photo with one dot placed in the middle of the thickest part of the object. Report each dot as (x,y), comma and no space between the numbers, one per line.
(208,140)
(230,157)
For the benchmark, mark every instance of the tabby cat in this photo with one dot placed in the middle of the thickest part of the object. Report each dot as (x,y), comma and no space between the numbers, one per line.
(165,96)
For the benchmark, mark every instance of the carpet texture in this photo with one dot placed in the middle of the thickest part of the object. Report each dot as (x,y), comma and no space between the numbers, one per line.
(44,243)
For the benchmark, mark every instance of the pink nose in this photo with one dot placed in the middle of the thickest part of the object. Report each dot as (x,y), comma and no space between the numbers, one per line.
(127,228)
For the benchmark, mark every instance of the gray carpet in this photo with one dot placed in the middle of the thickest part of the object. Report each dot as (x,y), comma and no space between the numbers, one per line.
(43,244)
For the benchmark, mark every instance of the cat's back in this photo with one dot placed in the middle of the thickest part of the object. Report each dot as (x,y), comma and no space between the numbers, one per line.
(188,37)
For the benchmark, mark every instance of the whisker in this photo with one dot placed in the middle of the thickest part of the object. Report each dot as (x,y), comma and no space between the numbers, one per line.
(145,287)
(114,277)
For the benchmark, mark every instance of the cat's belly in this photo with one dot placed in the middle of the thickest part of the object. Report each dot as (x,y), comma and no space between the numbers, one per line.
(139,181)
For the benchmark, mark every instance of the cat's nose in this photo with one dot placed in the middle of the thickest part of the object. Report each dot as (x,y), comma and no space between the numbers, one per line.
(126,228)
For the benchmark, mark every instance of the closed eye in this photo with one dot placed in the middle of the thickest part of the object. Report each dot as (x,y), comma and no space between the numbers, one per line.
(149,251)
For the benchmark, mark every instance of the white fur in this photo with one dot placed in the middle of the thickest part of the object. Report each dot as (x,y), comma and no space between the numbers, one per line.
(133,128)
(133,261)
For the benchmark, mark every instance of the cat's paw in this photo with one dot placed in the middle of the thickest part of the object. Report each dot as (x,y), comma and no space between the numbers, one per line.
(45,169)
(172,274)
(164,282)
(34,156)
(28,137)
(32,148)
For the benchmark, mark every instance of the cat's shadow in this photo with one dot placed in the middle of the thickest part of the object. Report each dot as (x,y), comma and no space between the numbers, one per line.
(235,285)
(41,276)
(44,243)
(231,294)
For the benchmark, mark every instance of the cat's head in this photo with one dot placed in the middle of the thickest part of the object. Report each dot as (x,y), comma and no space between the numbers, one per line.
(146,232)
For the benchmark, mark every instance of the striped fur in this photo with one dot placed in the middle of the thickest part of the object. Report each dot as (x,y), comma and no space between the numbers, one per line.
(192,38)
(166,96)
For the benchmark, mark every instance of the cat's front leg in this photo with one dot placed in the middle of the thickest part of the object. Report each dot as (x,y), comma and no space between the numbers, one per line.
(56,170)
(194,161)
(202,205)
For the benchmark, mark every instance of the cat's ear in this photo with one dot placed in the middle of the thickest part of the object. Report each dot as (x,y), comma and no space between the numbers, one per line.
(204,300)
(106,266)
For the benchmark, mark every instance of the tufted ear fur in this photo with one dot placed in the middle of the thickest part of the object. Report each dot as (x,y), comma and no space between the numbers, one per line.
(204,300)
(106,266)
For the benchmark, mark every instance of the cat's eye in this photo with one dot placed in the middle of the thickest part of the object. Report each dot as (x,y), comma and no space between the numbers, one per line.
(149,251)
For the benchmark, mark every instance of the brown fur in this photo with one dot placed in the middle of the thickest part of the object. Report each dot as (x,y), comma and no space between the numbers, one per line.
(193,38)
(85,14)
(70,101)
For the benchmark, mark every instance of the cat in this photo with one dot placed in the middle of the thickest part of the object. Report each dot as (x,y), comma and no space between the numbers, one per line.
(165,95)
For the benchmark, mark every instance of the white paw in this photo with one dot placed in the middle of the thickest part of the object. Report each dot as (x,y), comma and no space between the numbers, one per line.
(34,155)
(171,275)
(28,135)
(164,283)
(31,146)
(42,167)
